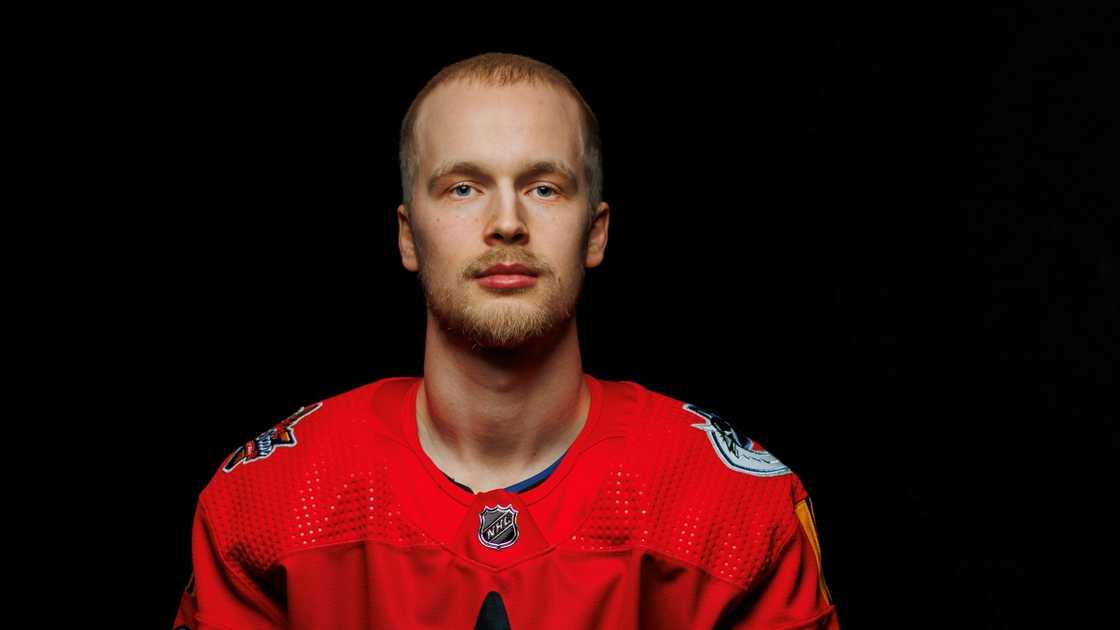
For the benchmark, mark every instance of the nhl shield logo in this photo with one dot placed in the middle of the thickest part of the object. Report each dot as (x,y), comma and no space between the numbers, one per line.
(497,526)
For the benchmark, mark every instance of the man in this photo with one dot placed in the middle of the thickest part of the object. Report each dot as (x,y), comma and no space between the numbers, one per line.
(506,488)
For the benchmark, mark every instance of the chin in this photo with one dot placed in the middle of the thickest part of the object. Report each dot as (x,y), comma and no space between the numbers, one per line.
(510,326)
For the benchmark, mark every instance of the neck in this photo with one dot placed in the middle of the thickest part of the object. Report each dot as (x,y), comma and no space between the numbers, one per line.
(490,418)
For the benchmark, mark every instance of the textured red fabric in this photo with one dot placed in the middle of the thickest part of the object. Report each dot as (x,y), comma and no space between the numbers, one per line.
(339,520)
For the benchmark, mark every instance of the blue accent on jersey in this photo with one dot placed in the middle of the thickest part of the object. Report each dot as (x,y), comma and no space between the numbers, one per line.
(520,486)
(537,478)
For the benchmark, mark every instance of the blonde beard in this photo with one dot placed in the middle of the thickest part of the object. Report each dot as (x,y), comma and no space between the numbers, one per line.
(499,322)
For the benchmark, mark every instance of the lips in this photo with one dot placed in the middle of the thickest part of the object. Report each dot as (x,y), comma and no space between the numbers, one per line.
(508,269)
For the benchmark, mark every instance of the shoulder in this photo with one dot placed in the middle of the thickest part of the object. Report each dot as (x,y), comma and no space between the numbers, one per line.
(740,498)
(716,439)
(280,435)
(283,450)
(250,497)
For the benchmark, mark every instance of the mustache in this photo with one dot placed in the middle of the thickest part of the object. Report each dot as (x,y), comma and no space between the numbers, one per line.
(532,264)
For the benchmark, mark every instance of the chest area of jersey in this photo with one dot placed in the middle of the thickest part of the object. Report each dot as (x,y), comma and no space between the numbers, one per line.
(374,584)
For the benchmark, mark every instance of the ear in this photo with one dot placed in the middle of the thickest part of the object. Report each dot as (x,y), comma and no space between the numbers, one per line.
(597,237)
(405,240)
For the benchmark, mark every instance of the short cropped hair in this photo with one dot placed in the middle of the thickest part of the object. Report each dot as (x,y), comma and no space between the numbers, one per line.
(501,69)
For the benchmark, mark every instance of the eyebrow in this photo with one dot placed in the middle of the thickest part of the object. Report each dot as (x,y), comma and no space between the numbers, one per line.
(532,169)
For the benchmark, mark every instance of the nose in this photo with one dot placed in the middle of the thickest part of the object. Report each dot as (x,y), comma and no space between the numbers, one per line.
(506,223)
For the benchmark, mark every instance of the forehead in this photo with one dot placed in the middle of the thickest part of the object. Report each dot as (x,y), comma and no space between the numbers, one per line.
(501,126)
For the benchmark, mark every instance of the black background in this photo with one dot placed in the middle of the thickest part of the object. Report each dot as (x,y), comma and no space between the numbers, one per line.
(879,240)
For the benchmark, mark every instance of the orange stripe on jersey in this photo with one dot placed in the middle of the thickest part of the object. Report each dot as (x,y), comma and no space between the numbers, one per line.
(804,510)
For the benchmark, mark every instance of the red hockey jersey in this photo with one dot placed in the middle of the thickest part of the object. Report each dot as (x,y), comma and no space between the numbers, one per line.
(659,515)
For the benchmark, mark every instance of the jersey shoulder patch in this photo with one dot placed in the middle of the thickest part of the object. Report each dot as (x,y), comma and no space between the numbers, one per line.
(737,451)
(282,433)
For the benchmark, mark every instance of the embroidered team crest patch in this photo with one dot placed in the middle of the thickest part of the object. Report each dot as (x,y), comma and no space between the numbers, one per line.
(283,434)
(737,452)
(497,526)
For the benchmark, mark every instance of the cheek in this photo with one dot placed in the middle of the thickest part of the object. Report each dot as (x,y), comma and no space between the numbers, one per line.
(445,249)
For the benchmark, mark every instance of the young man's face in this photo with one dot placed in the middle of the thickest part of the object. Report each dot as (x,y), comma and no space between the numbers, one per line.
(502,211)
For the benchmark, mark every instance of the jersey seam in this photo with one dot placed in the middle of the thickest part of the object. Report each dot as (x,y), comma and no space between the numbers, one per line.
(785,544)
(673,405)
(767,573)
(736,585)
(204,618)
(267,605)
(582,453)
(599,409)
(454,497)
(436,545)
(799,625)
(771,567)
(293,552)
(739,587)
(555,547)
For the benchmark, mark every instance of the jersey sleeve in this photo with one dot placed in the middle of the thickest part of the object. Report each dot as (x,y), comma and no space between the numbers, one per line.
(794,596)
(218,595)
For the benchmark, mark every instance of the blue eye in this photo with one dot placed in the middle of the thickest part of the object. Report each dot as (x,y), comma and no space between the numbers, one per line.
(459,187)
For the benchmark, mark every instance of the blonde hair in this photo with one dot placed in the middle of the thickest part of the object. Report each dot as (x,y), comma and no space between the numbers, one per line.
(501,69)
